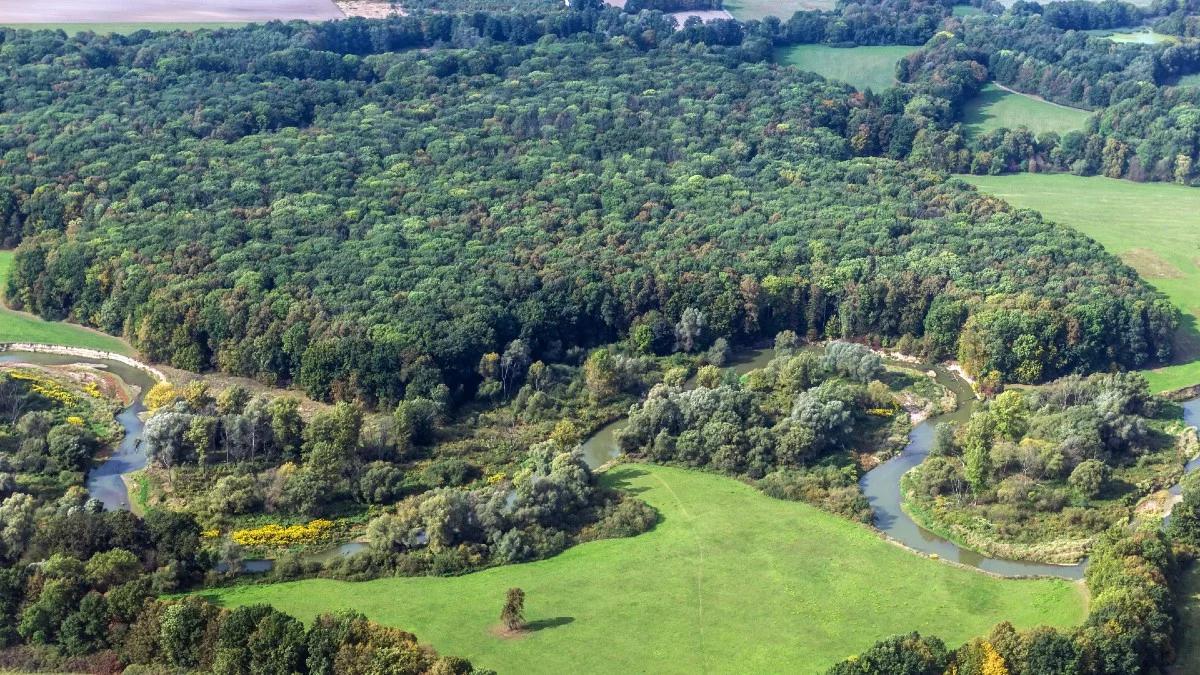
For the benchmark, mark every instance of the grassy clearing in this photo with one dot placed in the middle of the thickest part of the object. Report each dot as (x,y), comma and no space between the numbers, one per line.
(966,10)
(729,581)
(863,67)
(21,327)
(1154,227)
(746,10)
(119,28)
(1192,80)
(1141,36)
(995,108)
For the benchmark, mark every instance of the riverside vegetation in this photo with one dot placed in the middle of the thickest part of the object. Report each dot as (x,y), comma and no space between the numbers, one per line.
(465,229)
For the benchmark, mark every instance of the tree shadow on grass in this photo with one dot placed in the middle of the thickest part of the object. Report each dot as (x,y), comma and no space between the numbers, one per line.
(543,624)
(1185,346)
(621,477)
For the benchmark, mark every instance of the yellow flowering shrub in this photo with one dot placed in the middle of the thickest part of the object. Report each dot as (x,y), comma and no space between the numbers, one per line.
(496,478)
(92,389)
(211,534)
(75,420)
(281,535)
(45,387)
(160,395)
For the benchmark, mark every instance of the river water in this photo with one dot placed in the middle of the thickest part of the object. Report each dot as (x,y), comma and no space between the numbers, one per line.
(881,485)
(104,481)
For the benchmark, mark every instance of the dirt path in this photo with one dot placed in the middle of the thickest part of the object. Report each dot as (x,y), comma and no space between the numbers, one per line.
(1039,98)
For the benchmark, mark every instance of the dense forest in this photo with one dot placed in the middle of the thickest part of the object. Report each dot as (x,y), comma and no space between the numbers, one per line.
(301,204)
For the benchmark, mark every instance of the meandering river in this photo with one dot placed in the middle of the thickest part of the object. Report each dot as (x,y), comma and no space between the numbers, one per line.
(104,481)
(881,485)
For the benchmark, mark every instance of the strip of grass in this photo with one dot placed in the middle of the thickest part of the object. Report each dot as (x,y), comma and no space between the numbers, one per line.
(121,28)
(747,10)
(966,10)
(864,67)
(1155,227)
(995,108)
(730,581)
(20,327)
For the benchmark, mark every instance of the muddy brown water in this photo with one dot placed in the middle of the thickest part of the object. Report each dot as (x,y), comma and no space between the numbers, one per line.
(164,11)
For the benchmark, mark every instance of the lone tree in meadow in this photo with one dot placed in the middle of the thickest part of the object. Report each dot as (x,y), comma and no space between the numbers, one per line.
(513,614)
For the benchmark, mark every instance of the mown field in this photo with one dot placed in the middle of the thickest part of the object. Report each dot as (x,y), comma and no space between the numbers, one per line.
(1155,227)
(995,108)
(729,581)
(21,327)
(121,28)
(863,67)
(746,10)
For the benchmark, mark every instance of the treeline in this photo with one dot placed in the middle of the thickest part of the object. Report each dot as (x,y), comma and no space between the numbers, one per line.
(880,22)
(1130,626)
(253,455)
(552,503)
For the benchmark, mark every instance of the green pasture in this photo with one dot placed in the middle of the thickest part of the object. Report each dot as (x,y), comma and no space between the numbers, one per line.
(996,108)
(729,581)
(1154,227)
(864,67)
(23,327)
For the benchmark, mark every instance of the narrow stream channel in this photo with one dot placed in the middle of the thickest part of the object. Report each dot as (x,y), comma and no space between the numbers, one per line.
(104,481)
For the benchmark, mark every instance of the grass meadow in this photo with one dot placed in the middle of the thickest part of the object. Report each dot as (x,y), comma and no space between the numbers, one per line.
(729,581)
(995,108)
(22,327)
(1141,36)
(864,67)
(1154,227)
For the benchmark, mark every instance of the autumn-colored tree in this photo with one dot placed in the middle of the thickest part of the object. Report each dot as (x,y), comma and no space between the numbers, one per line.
(513,614)
(161,395)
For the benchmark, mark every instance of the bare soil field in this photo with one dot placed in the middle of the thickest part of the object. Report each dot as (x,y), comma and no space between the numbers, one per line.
(370,9)
(703,15)
(152,11)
